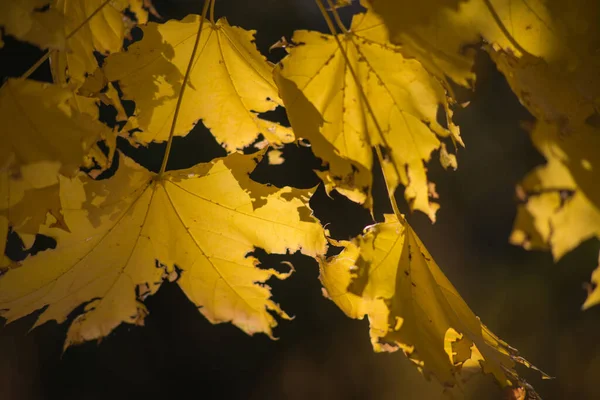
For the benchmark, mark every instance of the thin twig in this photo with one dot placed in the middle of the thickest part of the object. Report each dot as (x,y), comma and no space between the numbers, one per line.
(212,11)
(186,77)
(336,17)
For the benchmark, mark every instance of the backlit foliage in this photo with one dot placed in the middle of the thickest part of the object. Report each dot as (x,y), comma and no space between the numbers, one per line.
(363,95)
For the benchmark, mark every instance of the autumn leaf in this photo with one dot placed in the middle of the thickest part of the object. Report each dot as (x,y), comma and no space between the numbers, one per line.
(119,239)
(558,213)
(565,98)
(560,201)
(91,26)
(27,20)
(416,27)
(389,276)
(131,231)
(547,51)
(25,205)
(402,95)
(229,86)
(43,133)
(49,124)
(442,33)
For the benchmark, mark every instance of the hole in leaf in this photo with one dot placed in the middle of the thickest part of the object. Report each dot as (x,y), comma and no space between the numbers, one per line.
(254,146)
(270,261)
(297,170)
(277,115)
(42,243)
(15,247)
(593,120)
(333,211)
(22,56)
(135,35)
(441,116)
(110,171)
(128,105)
(108,115)
(99,58)
(43,8)
(196,147)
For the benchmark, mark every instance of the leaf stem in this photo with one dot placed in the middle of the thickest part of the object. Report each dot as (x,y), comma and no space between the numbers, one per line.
(37,64)
(186,77)
(212,11)
(336,17)
(363,95)
(48,53)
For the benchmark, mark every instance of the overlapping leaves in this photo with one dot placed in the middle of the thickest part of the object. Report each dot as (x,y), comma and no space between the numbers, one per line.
(74,29)
(548,51)
(28,21)
(134,216)
(129,232)
(561,200)
(118,239)
(44,133)
(387,275)
(442,33)
(229,86)
(103,33)
(403,100)
(44,123)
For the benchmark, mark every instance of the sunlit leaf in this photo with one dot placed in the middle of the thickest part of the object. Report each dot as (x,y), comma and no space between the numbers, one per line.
(103,33)
(41,123)
(43,133)
(389,276)
(439,32)
(130,232)
(30,21)
(230,83)
(548,52)
(560,200)
(404,99)
(557,212)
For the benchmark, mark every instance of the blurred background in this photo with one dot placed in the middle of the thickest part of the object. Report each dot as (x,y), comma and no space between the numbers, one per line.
(522,296)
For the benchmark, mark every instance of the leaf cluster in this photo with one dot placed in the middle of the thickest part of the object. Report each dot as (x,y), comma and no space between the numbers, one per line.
(364,95)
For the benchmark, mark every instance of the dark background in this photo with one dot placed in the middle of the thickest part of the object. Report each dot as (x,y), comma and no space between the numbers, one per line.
(522,296)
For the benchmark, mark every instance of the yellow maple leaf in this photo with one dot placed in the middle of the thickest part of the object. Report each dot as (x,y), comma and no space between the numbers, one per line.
(547,49)
(27,20)
(229,85)
(561,200)
(129,233)
(43,133)
(24,204)
(90,26)
(559,213)
(403,96)
(49,124)
(437,32)
(554,95)
(389,276)
(97,86)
